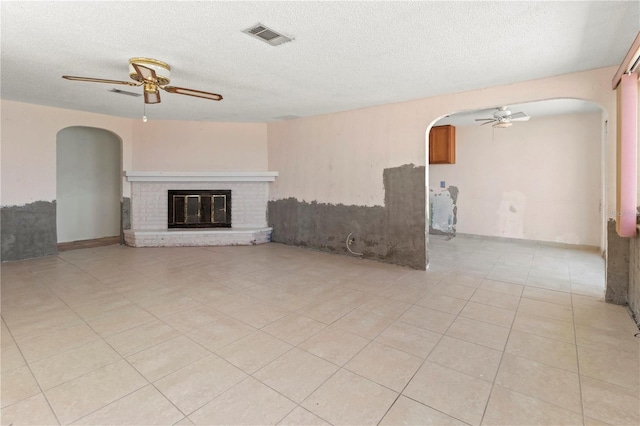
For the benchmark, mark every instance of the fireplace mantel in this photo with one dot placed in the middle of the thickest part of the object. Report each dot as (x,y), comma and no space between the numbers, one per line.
(133,176)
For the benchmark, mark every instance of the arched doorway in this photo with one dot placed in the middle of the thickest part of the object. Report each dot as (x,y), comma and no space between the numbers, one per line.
(542,182)
(88,184)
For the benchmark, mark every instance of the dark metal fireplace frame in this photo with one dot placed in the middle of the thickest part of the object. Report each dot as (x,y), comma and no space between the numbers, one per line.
(209,212)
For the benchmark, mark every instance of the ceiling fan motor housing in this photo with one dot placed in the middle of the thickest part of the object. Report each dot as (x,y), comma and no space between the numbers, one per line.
(502,113)
(162,69)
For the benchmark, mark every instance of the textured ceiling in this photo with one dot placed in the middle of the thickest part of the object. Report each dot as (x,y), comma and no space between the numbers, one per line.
(534,110)
(345,55)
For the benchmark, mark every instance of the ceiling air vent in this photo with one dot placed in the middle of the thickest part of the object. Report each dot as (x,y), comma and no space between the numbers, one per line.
(269,36)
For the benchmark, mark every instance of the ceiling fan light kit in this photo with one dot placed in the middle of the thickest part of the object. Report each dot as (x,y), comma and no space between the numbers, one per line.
(162,69)
(503,124)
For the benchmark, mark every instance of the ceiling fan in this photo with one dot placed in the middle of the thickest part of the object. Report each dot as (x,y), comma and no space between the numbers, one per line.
(502,117)
(152,75)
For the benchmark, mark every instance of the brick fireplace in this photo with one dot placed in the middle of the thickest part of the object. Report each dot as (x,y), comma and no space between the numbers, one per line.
(150,209)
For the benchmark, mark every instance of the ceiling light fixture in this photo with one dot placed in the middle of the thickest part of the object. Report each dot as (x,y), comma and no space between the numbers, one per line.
(503,124)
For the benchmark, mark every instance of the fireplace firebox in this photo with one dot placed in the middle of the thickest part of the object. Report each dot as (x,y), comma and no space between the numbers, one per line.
(199,209)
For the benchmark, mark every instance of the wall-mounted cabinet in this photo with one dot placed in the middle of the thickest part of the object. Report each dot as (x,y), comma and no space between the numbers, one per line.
(442,145)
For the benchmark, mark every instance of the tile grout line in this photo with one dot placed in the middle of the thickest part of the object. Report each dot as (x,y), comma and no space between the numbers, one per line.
(34,379)
(401,393)
(493,383)
(575,340)
(370,340)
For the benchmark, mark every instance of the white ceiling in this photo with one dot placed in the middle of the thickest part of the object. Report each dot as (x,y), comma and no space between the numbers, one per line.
(345,55)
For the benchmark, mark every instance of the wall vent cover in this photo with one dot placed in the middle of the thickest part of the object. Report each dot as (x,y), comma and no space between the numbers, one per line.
(269,36)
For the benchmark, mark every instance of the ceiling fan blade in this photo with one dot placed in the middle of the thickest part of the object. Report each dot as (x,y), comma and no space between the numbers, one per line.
(99,80)
(521,118)
(489,122)
(152,97)
(191,92)
(485,119)
(519,115)
(147,74)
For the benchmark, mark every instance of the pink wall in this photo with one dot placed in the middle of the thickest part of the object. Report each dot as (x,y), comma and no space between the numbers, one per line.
(340,158)
(199,146)
(29,147)
(28,151)
(335,158)
(537,180)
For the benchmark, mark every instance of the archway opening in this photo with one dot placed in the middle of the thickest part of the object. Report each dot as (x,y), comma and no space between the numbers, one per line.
(88,184)
(537,182)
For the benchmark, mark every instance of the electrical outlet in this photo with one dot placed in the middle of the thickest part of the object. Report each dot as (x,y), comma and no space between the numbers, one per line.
(443,184)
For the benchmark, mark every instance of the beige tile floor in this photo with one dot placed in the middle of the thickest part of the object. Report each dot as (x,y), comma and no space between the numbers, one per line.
(494,333)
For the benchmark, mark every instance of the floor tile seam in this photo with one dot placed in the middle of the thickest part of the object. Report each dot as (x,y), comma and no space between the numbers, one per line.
(124,329)
(158,344)
(462,315)
(120,398)
(481,344)
(82,320)
(329,361)
(228,344)
(628,392)
(72,349)
(581,322)
(547,317)
(216,352)
(252,375)
(344,367)
(540,300)
(305,339)
(426,405)
(79,268)
(440,309)
(148,347)
(421,327)
(502,352)
(253,326)
(186,415)
(29,397)
(34,379)
(398,349)
(449,295)
(534,285)
(635,354)
(493,306)
(331,323)
(575,342)
(606,380)
(60,299)
(548,338)
(544,336)
(85,374)
(402,392)
(576,372)
(26,321)
(398,394)
(541,400)
(610,352)
(549,402)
